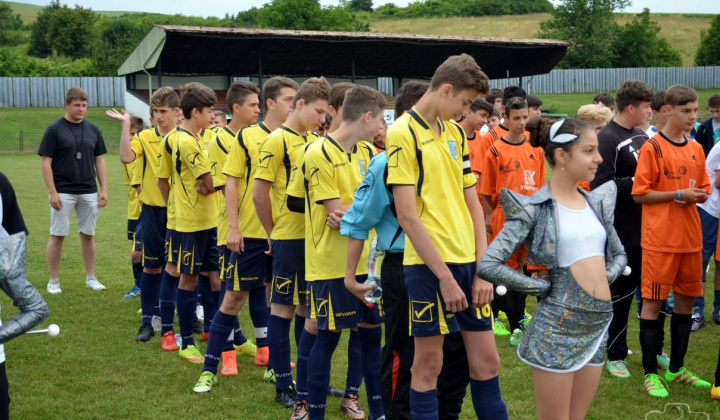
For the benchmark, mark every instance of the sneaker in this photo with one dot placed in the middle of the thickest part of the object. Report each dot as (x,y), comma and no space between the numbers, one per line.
(94,284)
(301,409)
(262,355)
(502,316)
(205,383)
(286,396)
(246,349)
(205,336)
(334,392)
(715,392)
(229,363)
(53,287)
(191,354)
(524,322)
(351,406)
(134,292)
(697,322)
(716,318)
(199,327)
(145,333)
(516,336)
(499,328)
(269,375)
(684,376)
(654,386)
(617,368)
(168,342)
(663,361)
(156,323)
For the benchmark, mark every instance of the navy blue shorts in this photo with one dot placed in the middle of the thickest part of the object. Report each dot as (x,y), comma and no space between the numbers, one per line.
(335,308)
(428,316)
(250,269)
(223,259)
(198,252)
(131,226)
(288,271)
(172,246)
(154,229)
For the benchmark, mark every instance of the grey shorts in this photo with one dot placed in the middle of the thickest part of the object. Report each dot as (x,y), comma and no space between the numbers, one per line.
(86,208)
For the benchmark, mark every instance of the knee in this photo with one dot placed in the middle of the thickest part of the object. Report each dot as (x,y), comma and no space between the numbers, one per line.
(311,325)
(135,256)
(428,363)
(86,238)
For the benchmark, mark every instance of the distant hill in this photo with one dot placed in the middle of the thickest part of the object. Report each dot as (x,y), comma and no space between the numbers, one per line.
(29,12)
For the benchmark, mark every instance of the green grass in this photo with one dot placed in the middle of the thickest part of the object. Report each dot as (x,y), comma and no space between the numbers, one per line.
(29,12)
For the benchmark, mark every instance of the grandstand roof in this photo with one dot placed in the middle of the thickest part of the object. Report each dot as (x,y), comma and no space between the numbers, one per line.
(193,50)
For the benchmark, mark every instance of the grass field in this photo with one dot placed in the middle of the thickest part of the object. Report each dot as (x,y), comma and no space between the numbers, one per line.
(95,369)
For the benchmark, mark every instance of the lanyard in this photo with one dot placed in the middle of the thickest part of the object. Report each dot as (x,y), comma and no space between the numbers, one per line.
(78,141)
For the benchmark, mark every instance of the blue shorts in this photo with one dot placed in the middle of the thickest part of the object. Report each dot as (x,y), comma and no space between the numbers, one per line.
(288,270)
(223,258)
(172,246)
(335,308)
(428,317)
(250,269)
(131,227)
(137,237)
(198,252)
(709,224)
(154,228)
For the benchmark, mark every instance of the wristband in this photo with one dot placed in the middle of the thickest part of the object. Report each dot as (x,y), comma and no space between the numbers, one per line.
(679,195)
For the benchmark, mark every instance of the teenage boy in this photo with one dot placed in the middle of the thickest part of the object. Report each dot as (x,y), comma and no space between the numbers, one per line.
(332,169)
(72,152)
(220,120)
(670,179)
(144,149)
(278,156)
(534,106)
(494,97)
(476,118)
(134,209)
(444,293)
(511,163)
(619,143)
(605,99)
(708,132)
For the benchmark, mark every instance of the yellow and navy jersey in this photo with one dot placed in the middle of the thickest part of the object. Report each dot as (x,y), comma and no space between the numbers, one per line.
(134,208)
(242,164)
(146,145)
(278,153)
(208,135)
(165,170)
(193,211)
(218,152)
(439,170)
(329,172)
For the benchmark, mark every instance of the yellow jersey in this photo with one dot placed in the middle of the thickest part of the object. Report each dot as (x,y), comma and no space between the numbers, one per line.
(278,153)
(218,151)
(134,208)
(439,170)
(146,145)
(165,170)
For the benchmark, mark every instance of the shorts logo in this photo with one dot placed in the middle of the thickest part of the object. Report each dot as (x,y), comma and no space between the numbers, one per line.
(186,256)
(321,307)
(421,311)
(229,269)
(452,145)
(282,285)
(363,167)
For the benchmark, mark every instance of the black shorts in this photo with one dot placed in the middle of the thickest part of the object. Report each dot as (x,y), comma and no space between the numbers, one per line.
(198,252)
(154,227)
(250,269)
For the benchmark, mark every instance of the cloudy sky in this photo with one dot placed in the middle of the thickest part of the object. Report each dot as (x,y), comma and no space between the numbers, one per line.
(220,7)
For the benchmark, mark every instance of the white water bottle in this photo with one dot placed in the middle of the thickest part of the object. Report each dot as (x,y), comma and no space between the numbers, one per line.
(375,260)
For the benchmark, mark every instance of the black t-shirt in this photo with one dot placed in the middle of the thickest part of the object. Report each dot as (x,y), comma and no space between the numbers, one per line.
(619,149)
(11,217)
(64,142)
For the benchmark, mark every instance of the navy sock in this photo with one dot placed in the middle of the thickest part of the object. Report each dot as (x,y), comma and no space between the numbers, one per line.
(370,339)
(423,405)
(716,302)
(149,297)
(307,342)
(220,329)
(355,365)
(168,295)
(186,302)
(300,327)
(319,372)
(239,338)
(279,342)
(259,313)
(680,337)
(137,272)
(208,302)
(487,401)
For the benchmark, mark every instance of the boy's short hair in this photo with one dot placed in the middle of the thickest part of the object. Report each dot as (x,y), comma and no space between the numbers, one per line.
(271,89)
(137,123)
(513,92)
(596,113)
(605,99)
(197,97)
(462,72)
(533,101)
(658,100)
(75,93)
(515,103)
(680,95)
(493,94)
(361,99)
(632,92)
(714,101)
(337,94)
(408,95)
(237,94)
(313,89)
(165,96)
(481,104)
(496,113)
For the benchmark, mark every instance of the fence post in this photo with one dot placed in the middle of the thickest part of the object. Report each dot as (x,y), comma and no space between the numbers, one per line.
(22,141)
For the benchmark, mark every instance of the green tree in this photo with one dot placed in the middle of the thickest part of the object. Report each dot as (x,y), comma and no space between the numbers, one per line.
(589,27)
(308,15)
(638,45)
(118,38)
(361,5)
(72,31)
(10,26)
(39,46)
(708,53)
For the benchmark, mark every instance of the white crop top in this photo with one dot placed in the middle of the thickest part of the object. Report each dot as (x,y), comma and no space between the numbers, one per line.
(581,235)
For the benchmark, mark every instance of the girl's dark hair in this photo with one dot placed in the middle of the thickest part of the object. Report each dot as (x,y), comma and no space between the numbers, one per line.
(539,129)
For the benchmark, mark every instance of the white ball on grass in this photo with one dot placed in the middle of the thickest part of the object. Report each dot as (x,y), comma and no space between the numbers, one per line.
(53,330)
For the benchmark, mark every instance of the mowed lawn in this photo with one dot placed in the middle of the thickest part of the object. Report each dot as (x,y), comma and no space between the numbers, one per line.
(95,369)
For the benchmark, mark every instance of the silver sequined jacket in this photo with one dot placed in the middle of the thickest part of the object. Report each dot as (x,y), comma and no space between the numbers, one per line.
(533,221)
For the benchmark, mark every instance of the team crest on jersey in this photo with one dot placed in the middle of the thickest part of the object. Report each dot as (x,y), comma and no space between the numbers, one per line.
(452,145)
(363,167)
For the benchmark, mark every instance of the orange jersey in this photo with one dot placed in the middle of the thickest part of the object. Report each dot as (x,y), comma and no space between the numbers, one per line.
(667,166)
(475,158)
(487,140)
(585,185)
